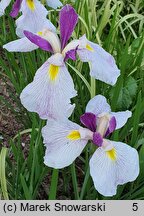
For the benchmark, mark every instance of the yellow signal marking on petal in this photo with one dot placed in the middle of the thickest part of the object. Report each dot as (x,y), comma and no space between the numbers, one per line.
(88,47)
(30,4)
(40,33)
(53,72)
(112,154)
(74,135)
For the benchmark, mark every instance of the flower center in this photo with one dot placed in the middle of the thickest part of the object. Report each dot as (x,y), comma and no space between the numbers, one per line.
(103,123)
(52,38)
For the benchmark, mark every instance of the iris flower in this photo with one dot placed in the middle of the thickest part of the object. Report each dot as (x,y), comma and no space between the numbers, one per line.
(52,88)
(102,64)
(112,164)
(33,19)
(30,3)
(46,93)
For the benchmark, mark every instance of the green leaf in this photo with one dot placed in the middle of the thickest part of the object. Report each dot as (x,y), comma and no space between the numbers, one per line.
(25,188)
(127,93)
(131,86)
(124,100)
(2,173)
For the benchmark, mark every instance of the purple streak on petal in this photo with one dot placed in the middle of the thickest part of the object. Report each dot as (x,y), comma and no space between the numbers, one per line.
(68,20)
(39,41)
(97,139)
(89,120)
(112,126)
(71,54)
(16,8)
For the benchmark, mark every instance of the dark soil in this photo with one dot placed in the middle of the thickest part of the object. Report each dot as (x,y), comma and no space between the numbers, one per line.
(9,124)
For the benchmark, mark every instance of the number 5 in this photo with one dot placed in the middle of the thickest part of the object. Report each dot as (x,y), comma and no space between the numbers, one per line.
(135,207)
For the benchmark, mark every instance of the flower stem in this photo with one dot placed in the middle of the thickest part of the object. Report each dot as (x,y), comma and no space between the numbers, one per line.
(93,87)
(54,183)
(74,180)
(85,183)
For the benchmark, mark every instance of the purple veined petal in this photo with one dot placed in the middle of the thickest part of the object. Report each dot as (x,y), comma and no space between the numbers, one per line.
(121,117)
(71,54)
(50,92)
(39,41)
(97,139)
(112,126)
(16,8)
(68,20)
(61,151)
(89,120)
(108,172)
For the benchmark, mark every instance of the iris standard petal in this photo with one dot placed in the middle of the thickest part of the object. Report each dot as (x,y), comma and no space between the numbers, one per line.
(98,105)
(70,51)
(121,117)
(68,21)
(50,92)
(16,8)
(3,5)
(102,64)
(63,143)
(20,45)
(39,41)
(54,3)
(112,126)
(115,167)
(89,120)
(33,20)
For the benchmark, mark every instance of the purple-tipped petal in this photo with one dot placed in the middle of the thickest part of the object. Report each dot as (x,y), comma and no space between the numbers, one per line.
(40,42)
(68,21)
(71,54)
(112,126)
(16,8)
(97,139)
(89,120)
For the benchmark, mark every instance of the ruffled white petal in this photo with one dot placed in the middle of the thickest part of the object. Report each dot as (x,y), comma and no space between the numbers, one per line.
(3,5)
(98,105)
(49,98)
(102,64)
(121,118)
(61,151)
(20,45)
(54,3)
(108,174)
(33,20)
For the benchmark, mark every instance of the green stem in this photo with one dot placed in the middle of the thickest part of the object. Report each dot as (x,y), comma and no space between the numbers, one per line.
(54,183)
(81,76)
(3,181)
(34,158)
(74,180)
(85,184)
(93,87)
